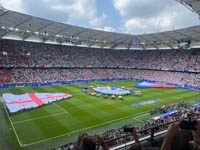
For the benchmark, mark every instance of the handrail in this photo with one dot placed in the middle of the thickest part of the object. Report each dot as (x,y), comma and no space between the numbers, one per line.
(150,128)
(151,136)
(141,139)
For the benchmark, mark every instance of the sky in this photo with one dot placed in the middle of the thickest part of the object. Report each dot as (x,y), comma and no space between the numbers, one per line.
(124,16)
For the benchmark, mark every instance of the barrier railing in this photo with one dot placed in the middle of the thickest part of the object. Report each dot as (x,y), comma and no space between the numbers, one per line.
(150,137)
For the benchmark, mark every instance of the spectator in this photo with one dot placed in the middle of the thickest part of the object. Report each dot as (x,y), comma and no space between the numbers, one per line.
(177,139)
(86,142)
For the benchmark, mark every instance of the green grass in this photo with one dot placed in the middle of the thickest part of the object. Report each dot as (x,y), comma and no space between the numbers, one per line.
(61,122)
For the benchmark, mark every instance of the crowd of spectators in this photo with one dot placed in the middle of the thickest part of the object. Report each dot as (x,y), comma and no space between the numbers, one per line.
(5,77)
(53,75)
(18,53)
(169,77)
(27,54)
(173,106)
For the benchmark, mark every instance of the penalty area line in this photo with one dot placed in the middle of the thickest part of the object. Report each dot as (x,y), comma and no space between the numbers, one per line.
(60,107)
(24,145)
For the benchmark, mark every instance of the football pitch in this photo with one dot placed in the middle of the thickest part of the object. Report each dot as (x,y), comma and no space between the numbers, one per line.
(61,122)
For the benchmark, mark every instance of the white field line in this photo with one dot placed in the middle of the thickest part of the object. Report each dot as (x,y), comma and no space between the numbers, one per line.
(65,112)
(1,99)
(60,108)
(21,145)
(142,115)
(135,118)
(138,120)
(24,145)
(16,122)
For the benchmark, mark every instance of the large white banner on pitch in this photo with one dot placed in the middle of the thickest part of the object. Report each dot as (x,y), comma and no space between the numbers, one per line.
(31,100)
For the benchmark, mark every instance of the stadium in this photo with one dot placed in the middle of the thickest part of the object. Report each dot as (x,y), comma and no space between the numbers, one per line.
(61,82)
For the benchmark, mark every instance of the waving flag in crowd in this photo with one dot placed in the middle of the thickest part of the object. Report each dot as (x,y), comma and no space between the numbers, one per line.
(31,100)
(165,114)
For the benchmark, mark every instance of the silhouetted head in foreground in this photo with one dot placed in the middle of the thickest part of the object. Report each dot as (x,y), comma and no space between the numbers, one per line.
(88,144)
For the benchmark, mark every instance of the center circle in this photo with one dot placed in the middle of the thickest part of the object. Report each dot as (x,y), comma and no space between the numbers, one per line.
(111,90)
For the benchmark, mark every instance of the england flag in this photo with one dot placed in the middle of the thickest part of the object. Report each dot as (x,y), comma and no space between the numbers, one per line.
(31,100)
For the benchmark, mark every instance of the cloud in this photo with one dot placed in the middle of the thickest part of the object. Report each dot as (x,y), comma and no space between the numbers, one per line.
(140,8)
(152,24)
(108,29)
(78,10)
(15,5)
(98,21)
(144,16)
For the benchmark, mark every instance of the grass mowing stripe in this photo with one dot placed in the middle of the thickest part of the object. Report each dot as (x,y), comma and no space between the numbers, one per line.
(105,110)
(161,95)
(43,129)
(89,100)
(16,90)
(180,97)
(16,122)
(52,109)
(80,130)
(81,114)
(61,108)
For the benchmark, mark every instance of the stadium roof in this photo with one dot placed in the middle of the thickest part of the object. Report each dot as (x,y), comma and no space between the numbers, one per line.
(193,5)
(25,27)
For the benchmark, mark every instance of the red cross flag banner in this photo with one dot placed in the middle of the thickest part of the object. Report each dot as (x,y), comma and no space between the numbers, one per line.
(31,100)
